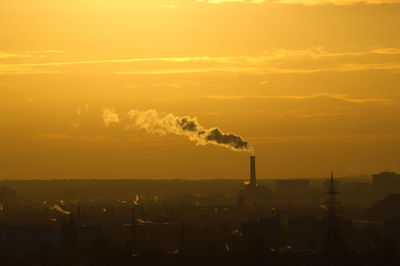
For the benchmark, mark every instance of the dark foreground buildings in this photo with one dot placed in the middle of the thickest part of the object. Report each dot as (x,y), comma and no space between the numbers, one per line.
(291,223)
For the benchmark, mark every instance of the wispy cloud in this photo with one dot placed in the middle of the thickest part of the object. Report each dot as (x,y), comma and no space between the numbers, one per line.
(170,71)
(267,70)
(271,55)
(279,61)
(132,60)
(311,113)
(4,55)
(78,138)
(170,6)
(39,53)
(172,84)
(341,97)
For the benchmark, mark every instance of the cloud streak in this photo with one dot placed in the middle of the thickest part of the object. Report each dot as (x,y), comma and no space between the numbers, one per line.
(341,97)
(74,138)
(268,70)
(39,53)
(314,53)
(279,61)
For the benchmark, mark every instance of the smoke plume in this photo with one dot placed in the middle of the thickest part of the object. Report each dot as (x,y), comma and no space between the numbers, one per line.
(59,209)
(163,123)
(110,116)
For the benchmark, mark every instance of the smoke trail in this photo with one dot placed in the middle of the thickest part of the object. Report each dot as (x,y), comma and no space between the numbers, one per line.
(110,116)
(59,209)
(162,124)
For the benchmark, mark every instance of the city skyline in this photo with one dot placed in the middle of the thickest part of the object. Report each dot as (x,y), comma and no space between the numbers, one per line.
(311,85)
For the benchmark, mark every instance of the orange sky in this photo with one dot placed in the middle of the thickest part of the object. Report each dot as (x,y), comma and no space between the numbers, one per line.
(313,85)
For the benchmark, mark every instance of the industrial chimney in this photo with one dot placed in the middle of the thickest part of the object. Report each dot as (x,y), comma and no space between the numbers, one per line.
(253,181)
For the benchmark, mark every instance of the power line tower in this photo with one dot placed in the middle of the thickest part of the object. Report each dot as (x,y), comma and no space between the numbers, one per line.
(332,202)
(334,245)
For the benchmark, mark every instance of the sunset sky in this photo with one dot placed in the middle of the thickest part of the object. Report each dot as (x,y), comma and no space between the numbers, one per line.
(313,85)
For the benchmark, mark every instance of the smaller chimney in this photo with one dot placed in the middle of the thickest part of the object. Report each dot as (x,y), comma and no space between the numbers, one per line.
(253,180)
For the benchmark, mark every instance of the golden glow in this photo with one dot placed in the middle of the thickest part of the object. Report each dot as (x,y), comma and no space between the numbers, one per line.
(313,85)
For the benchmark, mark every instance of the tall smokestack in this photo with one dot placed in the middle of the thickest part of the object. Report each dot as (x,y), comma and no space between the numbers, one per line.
(253,181)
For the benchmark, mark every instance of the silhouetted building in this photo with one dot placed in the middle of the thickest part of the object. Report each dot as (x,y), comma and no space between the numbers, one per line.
(386,183)
(387,246)
(69,233)
(356,193)
(262,235)
(304,232)
(293,191)
(253,193)
(7,195)
(195,227)
(387,208)
(17,240)
(292,186)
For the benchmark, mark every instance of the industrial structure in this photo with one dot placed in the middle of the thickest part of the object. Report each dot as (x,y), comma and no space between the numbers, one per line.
(253,193)
(253,178)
